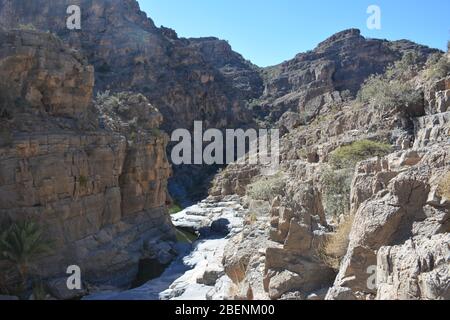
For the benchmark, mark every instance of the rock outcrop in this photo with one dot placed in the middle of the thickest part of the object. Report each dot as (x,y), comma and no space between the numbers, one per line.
(276,254)
(401,229)
(204,79)
(99,194)
(329,74)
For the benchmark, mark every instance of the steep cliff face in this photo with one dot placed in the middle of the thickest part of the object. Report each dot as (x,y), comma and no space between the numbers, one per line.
(99,193)
(39,71)
(187,79)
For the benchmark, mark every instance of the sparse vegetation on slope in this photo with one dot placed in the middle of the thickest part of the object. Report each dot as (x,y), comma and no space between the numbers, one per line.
(337,180)
(334,248)
(336,191)
(379,91)
(349,156)
(27,27)
(393,88)
(438,66)
(267,188)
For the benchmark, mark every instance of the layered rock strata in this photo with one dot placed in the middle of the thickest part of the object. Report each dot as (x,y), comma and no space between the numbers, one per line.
(98,192)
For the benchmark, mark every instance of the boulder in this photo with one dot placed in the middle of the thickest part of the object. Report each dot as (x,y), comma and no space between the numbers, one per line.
(58,289)
(418,269)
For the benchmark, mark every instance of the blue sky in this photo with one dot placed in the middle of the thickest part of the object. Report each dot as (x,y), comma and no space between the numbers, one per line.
(267,32)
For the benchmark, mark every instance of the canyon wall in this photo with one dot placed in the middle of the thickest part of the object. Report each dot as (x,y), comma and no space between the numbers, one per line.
(99,194)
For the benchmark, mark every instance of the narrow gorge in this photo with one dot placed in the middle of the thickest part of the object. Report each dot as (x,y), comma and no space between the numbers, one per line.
(358,210)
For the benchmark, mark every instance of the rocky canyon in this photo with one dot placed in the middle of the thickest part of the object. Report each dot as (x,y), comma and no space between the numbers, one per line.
(358,210)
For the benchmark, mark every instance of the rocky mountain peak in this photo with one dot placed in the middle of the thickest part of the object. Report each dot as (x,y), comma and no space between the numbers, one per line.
(349,35)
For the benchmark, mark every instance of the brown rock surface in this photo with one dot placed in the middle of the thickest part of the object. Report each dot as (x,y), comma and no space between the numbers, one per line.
(99,196)
(44,74)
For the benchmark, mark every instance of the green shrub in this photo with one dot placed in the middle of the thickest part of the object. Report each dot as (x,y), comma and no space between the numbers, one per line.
(337,180)
(28,26)
(83,180)
(267,188)
(379,91)
(156,132)
(251,218)
(133,136)
(394,88)
(349,156)
(336,191)
(438,67)
(175,208)
(302,153)
(406,68)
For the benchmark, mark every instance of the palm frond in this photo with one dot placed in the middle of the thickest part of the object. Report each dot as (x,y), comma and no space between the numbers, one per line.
(22,242)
